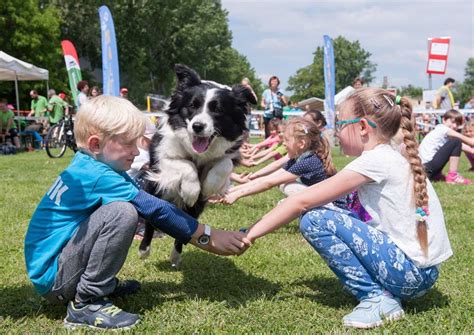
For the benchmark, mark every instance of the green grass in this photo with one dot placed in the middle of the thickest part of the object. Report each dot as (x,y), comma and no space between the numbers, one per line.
(279,286)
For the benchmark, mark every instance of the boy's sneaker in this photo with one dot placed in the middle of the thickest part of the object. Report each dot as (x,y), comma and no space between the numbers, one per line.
(125,287)
(99,315)
(456,178)
(373,312)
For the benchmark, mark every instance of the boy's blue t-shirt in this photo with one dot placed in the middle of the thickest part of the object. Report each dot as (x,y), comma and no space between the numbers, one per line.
(83,187)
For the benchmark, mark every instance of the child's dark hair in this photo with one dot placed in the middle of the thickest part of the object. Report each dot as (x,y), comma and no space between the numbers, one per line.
(273,124)
(454,115)
(390,114)
(82,84)
(302,128)
(317,117)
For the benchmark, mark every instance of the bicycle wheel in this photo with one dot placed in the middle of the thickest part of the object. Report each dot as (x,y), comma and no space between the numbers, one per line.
(56,141)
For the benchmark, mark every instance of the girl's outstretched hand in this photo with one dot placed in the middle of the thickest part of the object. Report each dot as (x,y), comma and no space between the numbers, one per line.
(243,177)
(229,198)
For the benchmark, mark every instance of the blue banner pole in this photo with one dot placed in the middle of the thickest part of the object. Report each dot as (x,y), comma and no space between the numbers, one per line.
(110,67)
(329,81)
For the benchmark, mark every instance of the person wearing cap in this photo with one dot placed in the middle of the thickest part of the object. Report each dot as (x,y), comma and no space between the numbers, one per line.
(124,92)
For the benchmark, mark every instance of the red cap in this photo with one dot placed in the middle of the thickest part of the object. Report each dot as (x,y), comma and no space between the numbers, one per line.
(62,95)
(124,90)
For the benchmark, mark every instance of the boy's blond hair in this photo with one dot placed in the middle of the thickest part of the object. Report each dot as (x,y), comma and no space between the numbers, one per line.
(107,116)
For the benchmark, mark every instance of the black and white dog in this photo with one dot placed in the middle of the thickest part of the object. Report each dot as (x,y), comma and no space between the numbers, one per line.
(195,148)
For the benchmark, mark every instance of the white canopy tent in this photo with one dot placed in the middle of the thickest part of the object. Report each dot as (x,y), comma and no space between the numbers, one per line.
(13,69)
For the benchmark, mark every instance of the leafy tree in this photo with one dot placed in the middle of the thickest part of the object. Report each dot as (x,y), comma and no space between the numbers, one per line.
(466,90)
(412,91)
(351,61)
(31,33)
(154,35)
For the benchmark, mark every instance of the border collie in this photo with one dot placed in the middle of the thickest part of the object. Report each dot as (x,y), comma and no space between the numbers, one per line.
(194,150)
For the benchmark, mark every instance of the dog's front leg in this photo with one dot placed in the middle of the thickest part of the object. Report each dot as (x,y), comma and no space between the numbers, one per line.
(179,179)
(217,178)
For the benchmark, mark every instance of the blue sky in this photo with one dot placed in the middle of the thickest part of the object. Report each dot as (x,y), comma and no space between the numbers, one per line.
(279,37)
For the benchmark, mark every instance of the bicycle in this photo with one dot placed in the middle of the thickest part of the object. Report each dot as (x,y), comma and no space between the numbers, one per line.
(60,137)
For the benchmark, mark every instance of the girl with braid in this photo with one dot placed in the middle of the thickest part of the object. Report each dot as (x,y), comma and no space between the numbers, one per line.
(309,162)
(394,256)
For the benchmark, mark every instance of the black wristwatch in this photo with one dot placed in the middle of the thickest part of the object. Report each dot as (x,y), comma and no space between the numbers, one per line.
(206,236)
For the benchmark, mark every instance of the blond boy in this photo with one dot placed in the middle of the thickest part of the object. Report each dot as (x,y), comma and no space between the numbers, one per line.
(80,233)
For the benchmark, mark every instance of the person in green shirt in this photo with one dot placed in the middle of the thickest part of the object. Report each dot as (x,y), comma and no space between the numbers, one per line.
(7,124)
(38,104)
(57,107)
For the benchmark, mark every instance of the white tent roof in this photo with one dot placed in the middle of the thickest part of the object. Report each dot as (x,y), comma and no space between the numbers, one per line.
(12,68)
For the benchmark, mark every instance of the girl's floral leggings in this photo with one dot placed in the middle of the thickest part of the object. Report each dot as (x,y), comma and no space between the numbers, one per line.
(364,259)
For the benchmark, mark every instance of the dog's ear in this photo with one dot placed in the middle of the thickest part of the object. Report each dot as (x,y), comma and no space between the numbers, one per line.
(245,93)
(187,77)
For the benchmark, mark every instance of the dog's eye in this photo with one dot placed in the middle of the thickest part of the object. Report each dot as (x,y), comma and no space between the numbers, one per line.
(195,104)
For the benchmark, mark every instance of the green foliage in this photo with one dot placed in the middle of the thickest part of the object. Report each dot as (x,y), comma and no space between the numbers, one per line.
(31,33)
(411,91)
(154,35)
(279,286)
(351,61)
(465,91)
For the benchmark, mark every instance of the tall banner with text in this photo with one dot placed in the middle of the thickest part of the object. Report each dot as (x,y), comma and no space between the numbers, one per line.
(72,66)
(329,81)
(110,68)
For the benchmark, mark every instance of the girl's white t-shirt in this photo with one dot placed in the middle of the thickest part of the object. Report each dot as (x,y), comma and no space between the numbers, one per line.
(434,140)
(389,201)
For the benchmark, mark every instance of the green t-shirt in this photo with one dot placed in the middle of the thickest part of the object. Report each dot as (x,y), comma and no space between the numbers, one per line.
(5,116)
(39,106)
(58,105)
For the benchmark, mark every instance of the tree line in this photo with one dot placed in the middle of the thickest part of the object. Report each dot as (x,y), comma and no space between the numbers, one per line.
(153,35)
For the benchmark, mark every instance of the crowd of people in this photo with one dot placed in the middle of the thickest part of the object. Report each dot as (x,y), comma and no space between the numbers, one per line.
(44,113)
(377,223)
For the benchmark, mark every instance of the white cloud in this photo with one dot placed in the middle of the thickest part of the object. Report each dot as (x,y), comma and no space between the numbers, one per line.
(280,36)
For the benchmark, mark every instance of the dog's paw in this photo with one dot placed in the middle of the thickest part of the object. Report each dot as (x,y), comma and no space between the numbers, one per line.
(175,258)
(190,191)
(144,254)
(214,185)
(217,179)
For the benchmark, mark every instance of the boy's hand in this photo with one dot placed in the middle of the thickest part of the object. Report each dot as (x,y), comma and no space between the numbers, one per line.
(228,242)
(225,243)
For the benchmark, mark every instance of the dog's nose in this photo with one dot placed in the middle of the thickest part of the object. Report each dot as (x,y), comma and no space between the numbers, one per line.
(198,127)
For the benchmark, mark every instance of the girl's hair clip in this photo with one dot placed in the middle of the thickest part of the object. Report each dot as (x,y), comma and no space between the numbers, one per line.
(397,100)
(375,103)
(390,101)
(305,129)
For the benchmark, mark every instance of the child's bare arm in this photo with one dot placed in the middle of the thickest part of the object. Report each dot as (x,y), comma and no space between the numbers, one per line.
(259,185)
(468,149)
(319,194)
(463,138)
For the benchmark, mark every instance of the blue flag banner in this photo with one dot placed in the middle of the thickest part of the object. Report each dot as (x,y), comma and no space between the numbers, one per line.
(329,81)
(110,68)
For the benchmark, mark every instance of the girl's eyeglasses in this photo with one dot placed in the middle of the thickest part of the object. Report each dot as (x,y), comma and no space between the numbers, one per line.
(340,124)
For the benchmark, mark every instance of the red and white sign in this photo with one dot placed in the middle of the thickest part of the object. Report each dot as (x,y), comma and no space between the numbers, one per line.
(438,50)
